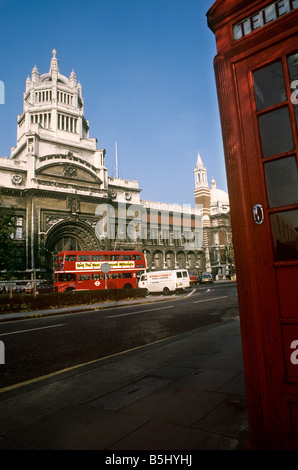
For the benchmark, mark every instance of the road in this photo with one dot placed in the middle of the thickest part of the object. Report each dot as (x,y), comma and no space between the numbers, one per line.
(41,346)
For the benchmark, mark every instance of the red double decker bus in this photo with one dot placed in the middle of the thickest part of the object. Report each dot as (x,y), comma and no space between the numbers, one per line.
(85,270)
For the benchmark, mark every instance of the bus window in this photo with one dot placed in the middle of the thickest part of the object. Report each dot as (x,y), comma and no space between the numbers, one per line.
(84,277)
(137,257)
(66,277)
(106,257)
(116,276)
(83,257)
(97,277)
(96,258)
(126,257)
(70,258)
(115,257)
(127,275)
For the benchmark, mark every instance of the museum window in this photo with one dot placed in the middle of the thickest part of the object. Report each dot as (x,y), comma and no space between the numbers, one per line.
(65,98)
(43,119)
(18,234)
(44,95)
(67,123)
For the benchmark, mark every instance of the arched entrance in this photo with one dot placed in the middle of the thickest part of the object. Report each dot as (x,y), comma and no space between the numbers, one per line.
(170,260)
(181,259)
(158,260)
(69,235)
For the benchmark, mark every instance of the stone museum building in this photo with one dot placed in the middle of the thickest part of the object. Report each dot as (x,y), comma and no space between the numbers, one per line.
(57,181)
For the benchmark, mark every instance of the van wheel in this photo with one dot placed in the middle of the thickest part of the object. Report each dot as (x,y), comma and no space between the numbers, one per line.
(179,291)
(166,291)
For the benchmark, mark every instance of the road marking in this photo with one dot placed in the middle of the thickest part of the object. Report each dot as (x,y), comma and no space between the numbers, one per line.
(139,311)
(210,300)
(32,329)
(188,295)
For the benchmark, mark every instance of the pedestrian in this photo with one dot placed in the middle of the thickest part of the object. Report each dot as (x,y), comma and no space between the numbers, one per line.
(4,290)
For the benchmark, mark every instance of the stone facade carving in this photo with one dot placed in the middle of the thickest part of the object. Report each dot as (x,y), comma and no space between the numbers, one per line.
(70,171)
(17,179)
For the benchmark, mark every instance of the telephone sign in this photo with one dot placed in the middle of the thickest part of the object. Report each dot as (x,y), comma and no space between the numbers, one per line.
(264,16)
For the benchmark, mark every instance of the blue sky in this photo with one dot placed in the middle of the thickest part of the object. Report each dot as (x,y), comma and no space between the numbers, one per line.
(146,69)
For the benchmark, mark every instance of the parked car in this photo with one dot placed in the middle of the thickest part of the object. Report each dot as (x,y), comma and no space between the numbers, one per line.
(17,288)
(42,288)
(206,278)
(193,279)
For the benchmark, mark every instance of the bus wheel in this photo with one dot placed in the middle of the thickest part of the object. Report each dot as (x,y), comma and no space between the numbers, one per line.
(127,287)
(69,289)
(166,291)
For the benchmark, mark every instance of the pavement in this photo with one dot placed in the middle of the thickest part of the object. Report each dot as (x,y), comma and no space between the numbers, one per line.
(184,393)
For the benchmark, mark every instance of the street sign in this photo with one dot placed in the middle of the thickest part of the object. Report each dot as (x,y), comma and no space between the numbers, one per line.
(105,267)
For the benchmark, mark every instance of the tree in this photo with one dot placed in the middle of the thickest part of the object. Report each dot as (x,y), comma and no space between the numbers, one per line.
(7,231)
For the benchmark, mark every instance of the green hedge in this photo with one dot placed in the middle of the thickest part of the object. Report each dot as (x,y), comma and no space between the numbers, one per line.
(25,302)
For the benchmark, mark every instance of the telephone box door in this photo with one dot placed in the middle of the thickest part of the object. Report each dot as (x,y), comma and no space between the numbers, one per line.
(267,85)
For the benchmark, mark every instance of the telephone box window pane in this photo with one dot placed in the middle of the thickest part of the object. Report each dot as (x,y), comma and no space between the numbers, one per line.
(293,66)
(269,86)
(293,71)
(282,182)
(275,131)
(284,227)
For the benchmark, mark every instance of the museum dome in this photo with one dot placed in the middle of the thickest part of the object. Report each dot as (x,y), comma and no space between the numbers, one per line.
(219,197)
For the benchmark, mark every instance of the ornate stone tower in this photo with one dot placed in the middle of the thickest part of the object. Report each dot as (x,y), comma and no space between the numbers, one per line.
(203,198)
(53,121)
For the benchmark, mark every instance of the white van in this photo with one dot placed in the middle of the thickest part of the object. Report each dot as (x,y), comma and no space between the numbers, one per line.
(165,281)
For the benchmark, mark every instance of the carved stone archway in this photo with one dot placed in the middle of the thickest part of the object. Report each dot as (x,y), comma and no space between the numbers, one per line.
(70,235)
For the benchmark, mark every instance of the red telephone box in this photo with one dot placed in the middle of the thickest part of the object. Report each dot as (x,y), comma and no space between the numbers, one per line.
(256,69)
